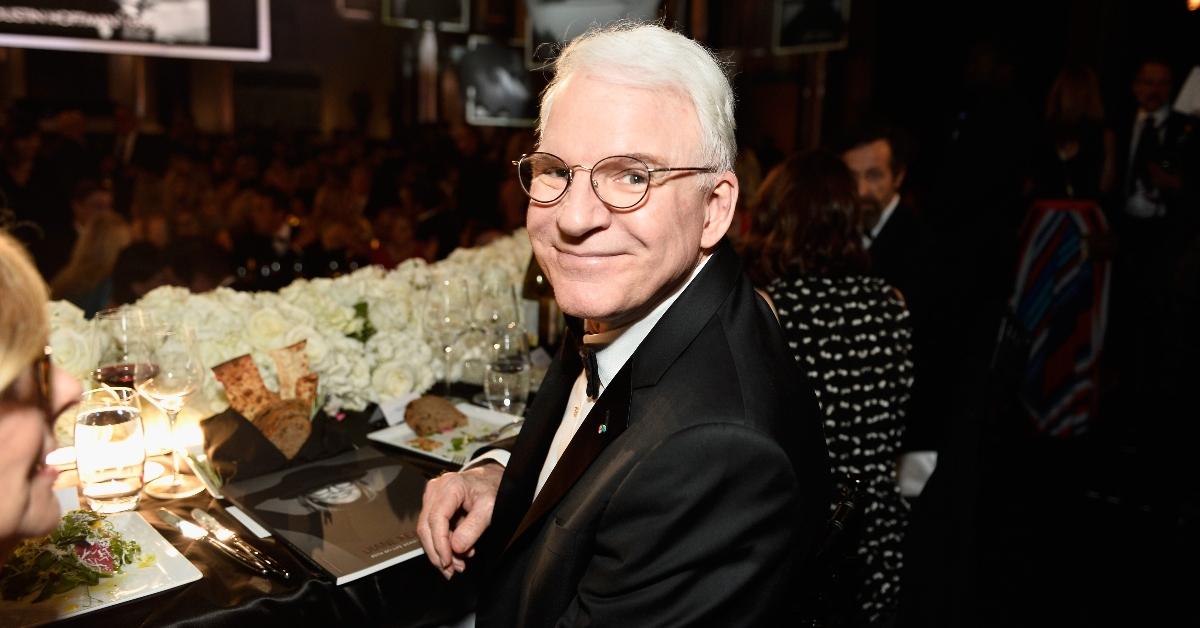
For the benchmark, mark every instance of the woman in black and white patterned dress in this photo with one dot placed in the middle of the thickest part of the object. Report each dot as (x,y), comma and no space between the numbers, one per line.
(849,332)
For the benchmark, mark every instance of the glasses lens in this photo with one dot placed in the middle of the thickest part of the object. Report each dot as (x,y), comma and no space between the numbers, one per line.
(621,181)
(543,176)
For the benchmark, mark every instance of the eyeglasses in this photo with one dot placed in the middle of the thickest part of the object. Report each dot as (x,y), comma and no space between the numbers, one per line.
(619,181)
(42,376)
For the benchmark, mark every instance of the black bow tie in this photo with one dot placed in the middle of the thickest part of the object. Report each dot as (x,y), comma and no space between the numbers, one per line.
(591,370)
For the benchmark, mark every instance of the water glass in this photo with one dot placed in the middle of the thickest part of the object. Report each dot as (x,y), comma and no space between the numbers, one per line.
(506,378)
(110,449)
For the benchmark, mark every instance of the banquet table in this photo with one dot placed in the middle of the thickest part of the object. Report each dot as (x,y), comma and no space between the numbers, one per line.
(411,593)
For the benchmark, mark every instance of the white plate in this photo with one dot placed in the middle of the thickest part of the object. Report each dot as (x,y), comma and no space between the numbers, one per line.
(161,567)
(480,421)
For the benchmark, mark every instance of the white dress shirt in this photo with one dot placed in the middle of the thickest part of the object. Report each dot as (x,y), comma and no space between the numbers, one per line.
(883,218)
(1141,202)
(613,349)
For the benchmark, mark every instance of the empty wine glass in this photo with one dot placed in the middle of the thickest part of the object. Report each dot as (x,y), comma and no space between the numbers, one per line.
(166,375)
(446,317)
(506,379)
(497,303)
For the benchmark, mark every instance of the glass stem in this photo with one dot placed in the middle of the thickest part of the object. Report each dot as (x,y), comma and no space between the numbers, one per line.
(175,479)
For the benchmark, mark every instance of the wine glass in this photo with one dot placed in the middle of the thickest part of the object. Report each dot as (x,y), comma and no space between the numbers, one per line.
(166,375)
(446,317)
(497,303)
(506,380)
(117,332)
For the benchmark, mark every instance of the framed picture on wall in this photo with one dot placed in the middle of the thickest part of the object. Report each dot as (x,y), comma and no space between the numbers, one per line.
(497,88)
(450,15)
(231,30)
(802,26)
(550,24)
(360,10)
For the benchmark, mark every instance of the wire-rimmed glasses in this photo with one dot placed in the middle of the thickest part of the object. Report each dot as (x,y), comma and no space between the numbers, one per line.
(620,181)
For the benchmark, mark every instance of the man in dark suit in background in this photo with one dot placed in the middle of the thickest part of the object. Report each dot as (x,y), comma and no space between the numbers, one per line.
(1155,215)
(674,479)
(897,244)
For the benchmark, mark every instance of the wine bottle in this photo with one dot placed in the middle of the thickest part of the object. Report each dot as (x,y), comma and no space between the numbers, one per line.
(543,320)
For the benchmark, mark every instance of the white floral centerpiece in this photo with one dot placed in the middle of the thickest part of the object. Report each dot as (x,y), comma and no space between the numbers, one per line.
(363,329)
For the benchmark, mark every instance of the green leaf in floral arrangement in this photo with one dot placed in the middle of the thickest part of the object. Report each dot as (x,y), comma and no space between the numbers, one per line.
(367,330)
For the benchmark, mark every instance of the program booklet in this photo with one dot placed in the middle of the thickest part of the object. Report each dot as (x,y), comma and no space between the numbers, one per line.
(352,515)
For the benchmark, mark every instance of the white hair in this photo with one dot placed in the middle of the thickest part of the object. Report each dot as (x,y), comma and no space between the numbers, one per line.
(650,56)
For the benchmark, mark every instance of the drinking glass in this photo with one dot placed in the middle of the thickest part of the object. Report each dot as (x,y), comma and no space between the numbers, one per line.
(110,448)
(117,332)
(446,317)
(166,375)
(506,379)
(498,303)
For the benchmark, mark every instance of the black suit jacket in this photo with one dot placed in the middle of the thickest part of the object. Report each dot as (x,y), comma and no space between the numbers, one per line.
(1178,153)
(896,252)
(902,255)
(697,478)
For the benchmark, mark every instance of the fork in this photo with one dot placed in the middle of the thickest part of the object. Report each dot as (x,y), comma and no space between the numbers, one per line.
(458,458)
(494,434)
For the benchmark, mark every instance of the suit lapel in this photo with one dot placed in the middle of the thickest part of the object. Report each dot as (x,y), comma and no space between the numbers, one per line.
(604,423)
(533,443)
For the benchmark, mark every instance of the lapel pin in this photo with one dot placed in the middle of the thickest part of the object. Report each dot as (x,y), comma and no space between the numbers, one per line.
(602,429)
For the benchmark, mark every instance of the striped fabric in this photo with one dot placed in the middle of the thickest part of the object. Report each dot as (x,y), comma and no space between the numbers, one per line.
(1060,301)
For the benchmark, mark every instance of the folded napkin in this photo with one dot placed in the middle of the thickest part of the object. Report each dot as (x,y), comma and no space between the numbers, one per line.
(238,449)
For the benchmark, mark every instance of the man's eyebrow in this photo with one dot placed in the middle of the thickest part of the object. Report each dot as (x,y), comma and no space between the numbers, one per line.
(651,160)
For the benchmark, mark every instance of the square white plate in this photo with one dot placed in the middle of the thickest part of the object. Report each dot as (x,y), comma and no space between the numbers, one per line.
(480,421)
(160,568)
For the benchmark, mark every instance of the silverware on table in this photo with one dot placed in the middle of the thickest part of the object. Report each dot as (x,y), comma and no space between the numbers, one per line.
(197,533)
(210,523)
(494,434)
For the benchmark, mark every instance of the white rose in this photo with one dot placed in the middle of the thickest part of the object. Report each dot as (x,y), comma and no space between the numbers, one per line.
(391,380)
(75,351)
(266,329)
(165,301)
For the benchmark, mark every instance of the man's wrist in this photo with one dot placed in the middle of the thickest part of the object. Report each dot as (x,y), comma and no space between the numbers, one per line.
(498,456)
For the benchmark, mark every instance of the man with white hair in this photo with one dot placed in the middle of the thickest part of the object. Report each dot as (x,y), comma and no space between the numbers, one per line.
(670,472)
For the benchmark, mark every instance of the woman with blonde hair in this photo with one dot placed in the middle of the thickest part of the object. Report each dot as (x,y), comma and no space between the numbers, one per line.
(87,279)
(31,394)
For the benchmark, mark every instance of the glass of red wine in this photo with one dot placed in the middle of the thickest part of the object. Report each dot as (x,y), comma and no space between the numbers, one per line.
(120,333)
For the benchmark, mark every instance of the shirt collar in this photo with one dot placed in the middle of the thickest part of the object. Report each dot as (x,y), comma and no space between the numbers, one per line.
(884,215)
(615,346)
(1159,115)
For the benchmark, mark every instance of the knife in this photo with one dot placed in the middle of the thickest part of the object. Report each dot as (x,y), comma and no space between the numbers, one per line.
(210,523)
(195,532)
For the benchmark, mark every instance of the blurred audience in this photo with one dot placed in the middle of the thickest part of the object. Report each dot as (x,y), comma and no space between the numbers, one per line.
(87,279)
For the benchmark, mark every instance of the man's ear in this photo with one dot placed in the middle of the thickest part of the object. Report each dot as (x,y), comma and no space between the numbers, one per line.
(719,208)
(900,178)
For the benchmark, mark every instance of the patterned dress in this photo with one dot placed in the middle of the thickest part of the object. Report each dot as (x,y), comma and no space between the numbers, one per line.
(851,337)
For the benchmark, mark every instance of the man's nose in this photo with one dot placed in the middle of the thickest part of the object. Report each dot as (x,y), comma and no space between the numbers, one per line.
(580,211)
(864,190)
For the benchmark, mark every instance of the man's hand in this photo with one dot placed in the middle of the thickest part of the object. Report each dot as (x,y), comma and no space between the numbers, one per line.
(462,501)
(1162,179)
